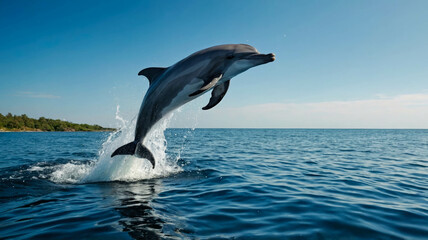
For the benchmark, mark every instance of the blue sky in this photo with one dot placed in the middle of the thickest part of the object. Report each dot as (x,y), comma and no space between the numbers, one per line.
(350,64)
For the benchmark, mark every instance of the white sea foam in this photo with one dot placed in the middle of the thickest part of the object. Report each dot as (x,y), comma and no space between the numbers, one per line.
(122,167)
(72,172)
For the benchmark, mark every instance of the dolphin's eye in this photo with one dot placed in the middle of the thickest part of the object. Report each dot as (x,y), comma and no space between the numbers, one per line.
(230,56)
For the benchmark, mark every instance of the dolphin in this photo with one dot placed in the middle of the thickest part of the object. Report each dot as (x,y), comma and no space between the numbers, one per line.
(172,87)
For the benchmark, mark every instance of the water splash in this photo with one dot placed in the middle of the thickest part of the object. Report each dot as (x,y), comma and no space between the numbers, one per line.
(122,167)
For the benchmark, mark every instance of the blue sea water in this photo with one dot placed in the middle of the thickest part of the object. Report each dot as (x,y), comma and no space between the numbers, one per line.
(216,184)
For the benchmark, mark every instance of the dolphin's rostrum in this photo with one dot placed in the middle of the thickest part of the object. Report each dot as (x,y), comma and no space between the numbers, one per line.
(171,87)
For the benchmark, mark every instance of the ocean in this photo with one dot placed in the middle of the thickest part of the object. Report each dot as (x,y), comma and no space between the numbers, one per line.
(216,184)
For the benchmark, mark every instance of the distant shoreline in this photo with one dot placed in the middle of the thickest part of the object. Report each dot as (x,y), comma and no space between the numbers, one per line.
(112,130)
(35,131)
(23,123)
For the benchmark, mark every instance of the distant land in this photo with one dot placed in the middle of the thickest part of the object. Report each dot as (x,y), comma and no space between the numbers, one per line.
(14,123)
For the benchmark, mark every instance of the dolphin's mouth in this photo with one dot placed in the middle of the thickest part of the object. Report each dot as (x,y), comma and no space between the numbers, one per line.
(270,57)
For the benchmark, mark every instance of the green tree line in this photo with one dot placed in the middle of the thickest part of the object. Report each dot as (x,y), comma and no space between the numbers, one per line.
(11,122)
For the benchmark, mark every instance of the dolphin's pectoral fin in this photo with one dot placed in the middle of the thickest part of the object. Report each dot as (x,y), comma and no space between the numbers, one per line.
(208,85)
(196,93)
(127,149)
(152,73)
(143,152)
(217,95)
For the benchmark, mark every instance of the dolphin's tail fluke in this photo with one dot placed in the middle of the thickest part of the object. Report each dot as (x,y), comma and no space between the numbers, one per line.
(133,148)
(127,149)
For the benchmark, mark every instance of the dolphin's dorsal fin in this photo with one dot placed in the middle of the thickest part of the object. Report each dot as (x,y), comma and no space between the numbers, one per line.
(217,94)
(152,73)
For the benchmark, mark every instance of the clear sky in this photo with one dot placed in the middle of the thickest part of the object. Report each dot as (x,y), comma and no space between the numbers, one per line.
(340,64)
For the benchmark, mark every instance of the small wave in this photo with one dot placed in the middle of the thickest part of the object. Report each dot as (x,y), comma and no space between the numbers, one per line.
(70,172)
(121,168)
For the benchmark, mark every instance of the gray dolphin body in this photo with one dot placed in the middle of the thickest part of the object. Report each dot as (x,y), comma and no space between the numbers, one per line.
(172,87)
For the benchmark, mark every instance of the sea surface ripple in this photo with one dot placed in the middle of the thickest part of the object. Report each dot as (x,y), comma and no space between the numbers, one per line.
(218,184)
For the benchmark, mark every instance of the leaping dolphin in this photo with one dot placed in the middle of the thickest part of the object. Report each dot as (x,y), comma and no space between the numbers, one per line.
(172,87)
